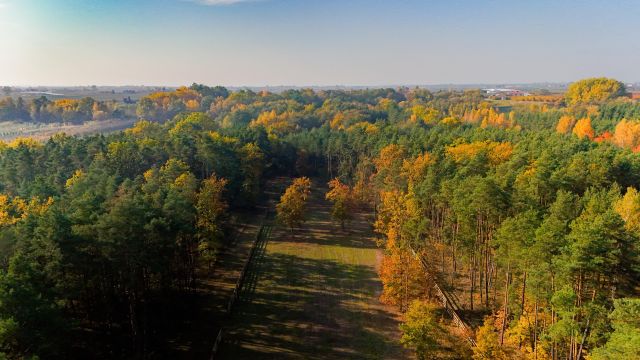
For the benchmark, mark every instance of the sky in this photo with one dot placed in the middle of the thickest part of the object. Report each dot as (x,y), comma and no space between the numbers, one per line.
(316,42)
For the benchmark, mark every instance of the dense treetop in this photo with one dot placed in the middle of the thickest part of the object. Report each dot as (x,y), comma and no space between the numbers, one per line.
(594,90)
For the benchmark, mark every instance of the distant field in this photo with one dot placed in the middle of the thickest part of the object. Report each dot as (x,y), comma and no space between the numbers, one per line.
(10,130)
(101,93)
(316,296)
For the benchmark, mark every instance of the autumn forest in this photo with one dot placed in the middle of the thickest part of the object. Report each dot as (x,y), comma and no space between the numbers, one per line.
(466,225)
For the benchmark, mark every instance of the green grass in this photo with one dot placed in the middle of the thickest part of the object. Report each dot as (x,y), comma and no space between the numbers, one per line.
(315,295)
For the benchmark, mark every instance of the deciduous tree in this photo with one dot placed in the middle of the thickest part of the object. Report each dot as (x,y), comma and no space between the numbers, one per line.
(293,203)
(211,208)
(420,329)
(583,129)
(340,195)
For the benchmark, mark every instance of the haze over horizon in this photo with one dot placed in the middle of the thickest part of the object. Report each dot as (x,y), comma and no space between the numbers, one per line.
(304,43)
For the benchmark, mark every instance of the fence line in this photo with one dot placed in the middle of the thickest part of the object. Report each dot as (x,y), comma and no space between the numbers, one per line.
(238,288)
(216,344)
(448,301)
(235,296)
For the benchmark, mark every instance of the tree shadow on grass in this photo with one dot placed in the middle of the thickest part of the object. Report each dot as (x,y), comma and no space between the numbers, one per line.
(306,308)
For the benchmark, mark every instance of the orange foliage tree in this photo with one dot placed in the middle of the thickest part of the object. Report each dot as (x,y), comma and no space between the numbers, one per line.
(627,134)
(605,136)
(401,273)
(402,278)
(583,129)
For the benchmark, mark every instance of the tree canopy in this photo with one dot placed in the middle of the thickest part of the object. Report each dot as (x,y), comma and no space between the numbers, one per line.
(594,90)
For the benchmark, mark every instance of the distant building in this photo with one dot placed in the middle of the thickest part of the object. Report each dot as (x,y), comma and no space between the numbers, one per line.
(505,92)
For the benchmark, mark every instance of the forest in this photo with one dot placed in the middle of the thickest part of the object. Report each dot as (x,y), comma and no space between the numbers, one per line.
(526,211)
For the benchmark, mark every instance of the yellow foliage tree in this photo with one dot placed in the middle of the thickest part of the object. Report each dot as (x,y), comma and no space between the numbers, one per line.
(500,152)
(565,124)
(488,343)
(338,122)
(292,206)
(26,142)
(222,139)
(16,209)
(496,152)
(143,128)
(77,175)
(274,123)
(628,207)
(423,114)
(415,169)
(524,334)
(389,166)
(367,128)
(340,195)
(451,121)
(487,116)
(594,90)
(421,330)
(392,213)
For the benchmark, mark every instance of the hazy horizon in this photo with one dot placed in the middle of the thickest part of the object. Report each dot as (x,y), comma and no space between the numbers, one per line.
(294,43)
(312,86)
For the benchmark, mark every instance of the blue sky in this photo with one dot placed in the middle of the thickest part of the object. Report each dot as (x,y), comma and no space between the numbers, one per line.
(308,42)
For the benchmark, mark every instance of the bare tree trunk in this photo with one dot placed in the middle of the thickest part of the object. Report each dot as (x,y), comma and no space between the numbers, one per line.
(535,332)
(453,263)
(505,309)
(586,330)
(454,259)
(524,287)
(584,337)
(487,274)
(472,278)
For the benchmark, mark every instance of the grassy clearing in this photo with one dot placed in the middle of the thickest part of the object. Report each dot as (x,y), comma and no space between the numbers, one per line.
(316,296)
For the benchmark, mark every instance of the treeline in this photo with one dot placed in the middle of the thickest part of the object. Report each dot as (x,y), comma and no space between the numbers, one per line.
(43,110)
